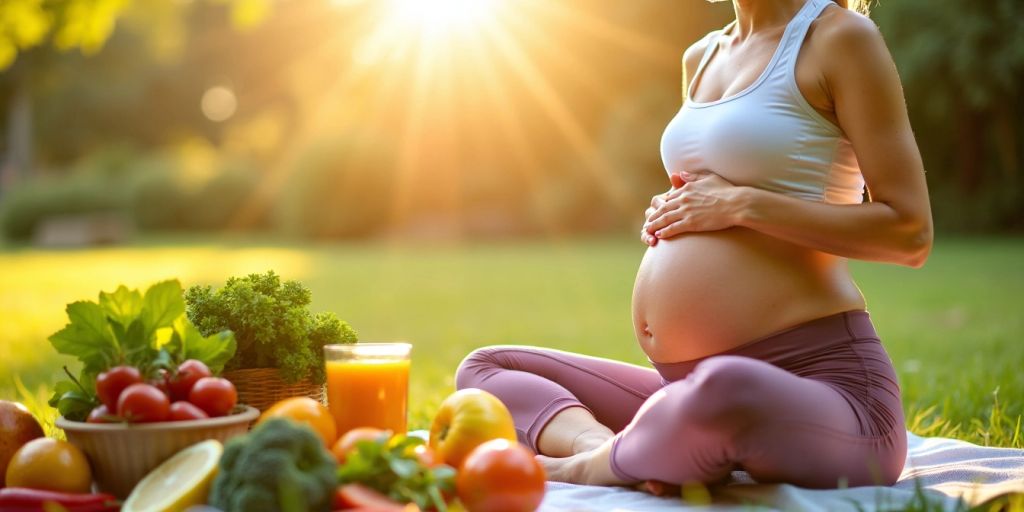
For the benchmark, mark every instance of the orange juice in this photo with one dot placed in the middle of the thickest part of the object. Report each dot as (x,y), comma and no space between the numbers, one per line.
(368,393)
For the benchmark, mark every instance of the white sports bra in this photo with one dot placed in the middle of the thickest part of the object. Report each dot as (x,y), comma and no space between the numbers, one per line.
(766,136)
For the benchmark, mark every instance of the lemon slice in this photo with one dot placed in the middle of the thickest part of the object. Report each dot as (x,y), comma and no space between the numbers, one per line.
(180,482)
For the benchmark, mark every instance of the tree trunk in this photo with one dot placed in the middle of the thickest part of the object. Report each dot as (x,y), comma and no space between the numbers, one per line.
(18,163)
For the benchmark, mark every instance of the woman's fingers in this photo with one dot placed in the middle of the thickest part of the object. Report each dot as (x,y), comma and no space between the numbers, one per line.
(663,221)
(648,238)
(675,228)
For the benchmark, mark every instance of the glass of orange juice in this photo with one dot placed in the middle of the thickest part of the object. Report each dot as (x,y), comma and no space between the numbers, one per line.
(368,385)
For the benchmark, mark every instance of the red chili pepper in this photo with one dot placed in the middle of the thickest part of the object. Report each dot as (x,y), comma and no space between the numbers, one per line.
(20,499)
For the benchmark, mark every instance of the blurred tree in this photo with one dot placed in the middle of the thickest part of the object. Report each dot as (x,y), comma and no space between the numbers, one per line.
(962,64)
(25,24)
(86,26)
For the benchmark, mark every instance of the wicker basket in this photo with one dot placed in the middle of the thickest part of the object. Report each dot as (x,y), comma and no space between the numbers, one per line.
(263,387)
(122,454)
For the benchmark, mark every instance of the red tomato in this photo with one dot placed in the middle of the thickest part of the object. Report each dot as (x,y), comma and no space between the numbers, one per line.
(500,476)
(143,403)
(349,439)
(99,415)
(184,411)
(112,382)
(358,496)
(188,373)
(162,382)
(214,395)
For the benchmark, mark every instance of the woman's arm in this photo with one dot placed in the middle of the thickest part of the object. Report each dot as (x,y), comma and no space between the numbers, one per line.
(896,226)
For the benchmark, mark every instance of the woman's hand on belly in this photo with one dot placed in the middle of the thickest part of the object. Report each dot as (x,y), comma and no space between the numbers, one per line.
(656,202)
(705,202)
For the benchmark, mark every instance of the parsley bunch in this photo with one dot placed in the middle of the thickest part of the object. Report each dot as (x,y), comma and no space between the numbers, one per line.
(272,324)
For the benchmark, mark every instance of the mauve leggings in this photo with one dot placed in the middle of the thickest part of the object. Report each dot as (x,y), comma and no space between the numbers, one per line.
(816,405)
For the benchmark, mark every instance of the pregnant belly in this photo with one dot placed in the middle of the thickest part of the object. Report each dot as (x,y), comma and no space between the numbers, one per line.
(703,293)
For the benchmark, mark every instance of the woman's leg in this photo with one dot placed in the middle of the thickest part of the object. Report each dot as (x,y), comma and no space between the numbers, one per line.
(559,398)
(737,412)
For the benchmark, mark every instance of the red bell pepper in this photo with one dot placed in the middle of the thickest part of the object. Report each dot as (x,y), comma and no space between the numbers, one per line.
(20,499)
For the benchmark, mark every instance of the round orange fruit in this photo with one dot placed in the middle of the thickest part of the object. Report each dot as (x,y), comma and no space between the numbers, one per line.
(49,464)
(17,427)
(308,411)
(466,419)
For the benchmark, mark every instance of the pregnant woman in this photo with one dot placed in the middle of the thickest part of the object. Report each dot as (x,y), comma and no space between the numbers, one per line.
(764,356)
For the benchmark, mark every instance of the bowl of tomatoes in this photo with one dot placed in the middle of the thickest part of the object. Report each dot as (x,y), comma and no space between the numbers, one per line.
(139,424)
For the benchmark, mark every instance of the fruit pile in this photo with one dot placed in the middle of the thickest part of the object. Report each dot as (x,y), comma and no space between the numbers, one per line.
(36,471)
(191,392)
(472,454)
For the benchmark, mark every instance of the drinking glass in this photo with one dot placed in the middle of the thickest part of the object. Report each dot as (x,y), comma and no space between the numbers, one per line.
(368,385)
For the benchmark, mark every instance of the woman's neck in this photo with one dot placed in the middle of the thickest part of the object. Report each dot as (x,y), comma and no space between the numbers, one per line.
(755,15)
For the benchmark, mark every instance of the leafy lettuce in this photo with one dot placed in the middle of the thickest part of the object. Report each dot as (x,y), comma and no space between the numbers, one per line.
(149,331)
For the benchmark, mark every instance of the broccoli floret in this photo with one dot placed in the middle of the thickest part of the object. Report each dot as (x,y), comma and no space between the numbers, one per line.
(280,466)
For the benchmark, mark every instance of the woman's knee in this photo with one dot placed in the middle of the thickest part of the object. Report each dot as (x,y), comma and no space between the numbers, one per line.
(478,365)
(727,389)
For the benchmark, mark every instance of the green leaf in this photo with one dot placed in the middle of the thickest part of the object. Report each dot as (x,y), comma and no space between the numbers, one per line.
(163,303)
(75,405)
(88,336)
(72,400)
(404,468)
(215,350)
(390,466)
(135,342)
(122,306)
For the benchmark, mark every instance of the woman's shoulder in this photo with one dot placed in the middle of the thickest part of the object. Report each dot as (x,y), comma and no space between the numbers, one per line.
(847,42)
(840,31)
(694,53)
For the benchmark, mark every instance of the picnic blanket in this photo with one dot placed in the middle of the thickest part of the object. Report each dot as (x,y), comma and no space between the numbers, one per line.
(946,472)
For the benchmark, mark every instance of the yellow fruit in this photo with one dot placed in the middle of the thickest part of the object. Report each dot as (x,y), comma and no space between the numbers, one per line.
(179,482)
(17,427)
(49,464)
(305,410)
(466,419)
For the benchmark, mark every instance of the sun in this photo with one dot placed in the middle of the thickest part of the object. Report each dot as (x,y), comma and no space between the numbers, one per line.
(442,17)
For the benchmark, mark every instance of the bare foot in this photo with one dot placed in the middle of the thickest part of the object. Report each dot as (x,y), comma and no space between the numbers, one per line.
(659,488)
(591,467)
(591,440)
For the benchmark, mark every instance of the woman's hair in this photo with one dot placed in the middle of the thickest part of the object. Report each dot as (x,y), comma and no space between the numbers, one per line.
(860,6)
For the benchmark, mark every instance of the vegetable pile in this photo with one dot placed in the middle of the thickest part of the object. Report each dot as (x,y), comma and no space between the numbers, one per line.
(271,322)
(148,333)
(280,465)
(144,360)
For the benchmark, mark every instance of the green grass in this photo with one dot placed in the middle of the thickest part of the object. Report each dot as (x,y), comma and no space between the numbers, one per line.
(952,328)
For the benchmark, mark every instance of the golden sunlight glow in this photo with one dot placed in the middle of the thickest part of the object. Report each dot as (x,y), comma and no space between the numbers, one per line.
(451,72)
(442,17)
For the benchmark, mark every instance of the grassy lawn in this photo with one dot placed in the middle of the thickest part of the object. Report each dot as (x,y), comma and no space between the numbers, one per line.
(953,328)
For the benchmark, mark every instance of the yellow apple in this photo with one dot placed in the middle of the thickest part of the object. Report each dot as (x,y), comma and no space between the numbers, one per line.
(466,419)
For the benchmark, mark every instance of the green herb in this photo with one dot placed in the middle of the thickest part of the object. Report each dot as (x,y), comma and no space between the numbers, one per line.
(271,322)
(126,327)
(391,467)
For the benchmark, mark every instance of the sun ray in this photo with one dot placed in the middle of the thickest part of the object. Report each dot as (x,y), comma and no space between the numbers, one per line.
(528,164)
(569,127)
(640,45)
